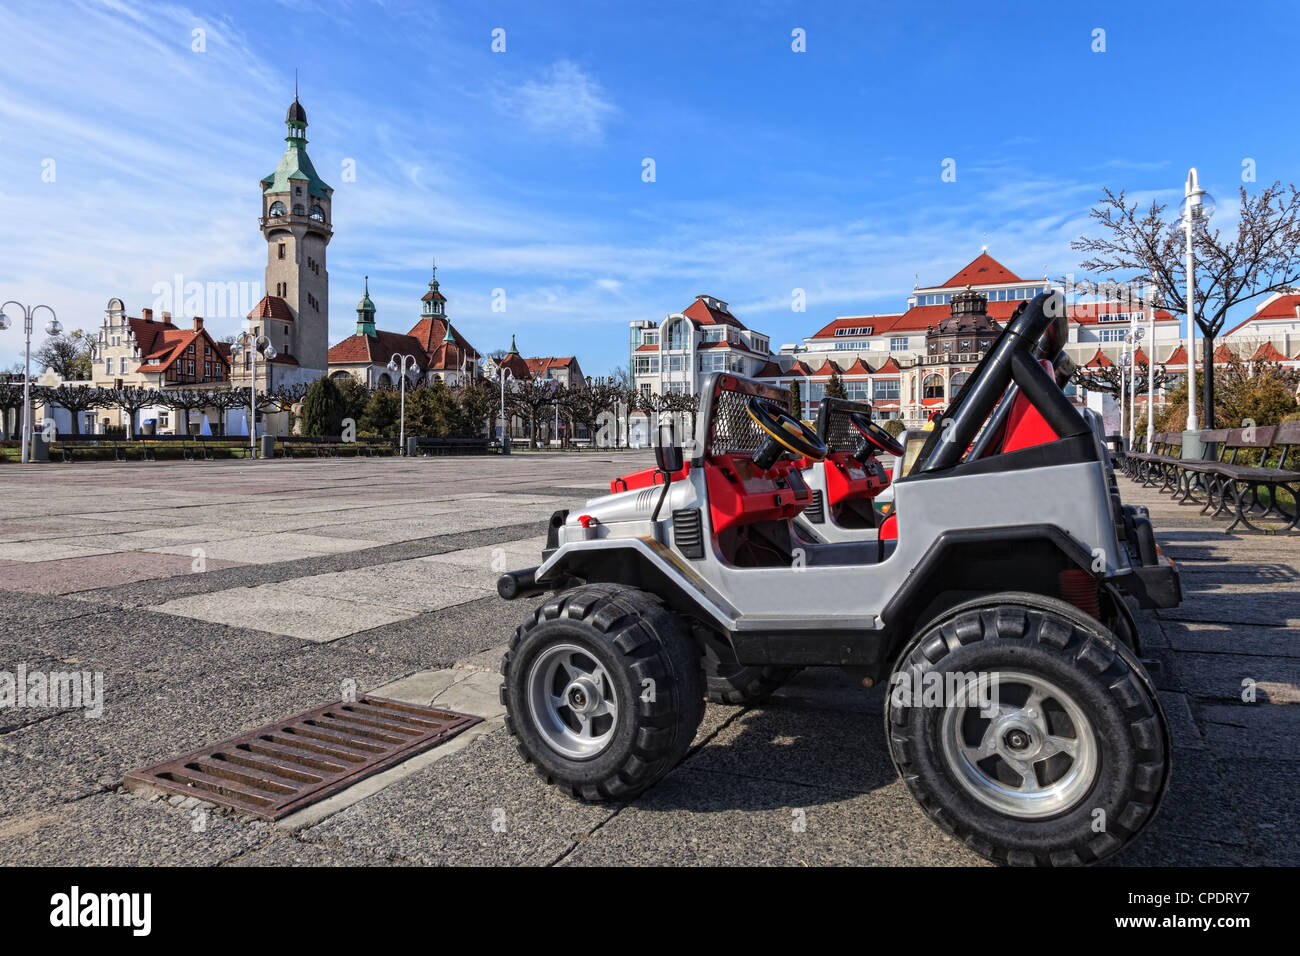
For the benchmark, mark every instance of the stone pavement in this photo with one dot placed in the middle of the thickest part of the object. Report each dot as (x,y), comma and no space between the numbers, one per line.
(218,596)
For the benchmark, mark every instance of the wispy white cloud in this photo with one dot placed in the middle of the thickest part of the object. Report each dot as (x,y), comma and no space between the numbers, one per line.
(563,103)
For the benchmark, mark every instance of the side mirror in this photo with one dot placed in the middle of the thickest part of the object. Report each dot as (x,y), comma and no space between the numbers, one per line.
(668,454)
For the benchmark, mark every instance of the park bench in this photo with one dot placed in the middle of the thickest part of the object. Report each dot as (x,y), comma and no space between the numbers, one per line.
(1186,483)
(1254,478)
(1153,466)
(330,446)
(450,446)
(68,446)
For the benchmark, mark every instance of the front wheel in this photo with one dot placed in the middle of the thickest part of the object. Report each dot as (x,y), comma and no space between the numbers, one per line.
(603,691)
(1027,731)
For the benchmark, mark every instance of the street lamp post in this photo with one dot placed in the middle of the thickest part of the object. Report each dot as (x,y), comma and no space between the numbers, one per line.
(1151,369)
(1124,363)
(1133,337)
(505,373)
(256,344)
(400,363)
(53,328)
(1195,212)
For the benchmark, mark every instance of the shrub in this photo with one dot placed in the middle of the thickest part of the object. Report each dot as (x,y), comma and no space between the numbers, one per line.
(323,409)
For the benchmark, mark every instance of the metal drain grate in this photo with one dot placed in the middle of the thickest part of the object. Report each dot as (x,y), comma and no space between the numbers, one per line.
(282,767)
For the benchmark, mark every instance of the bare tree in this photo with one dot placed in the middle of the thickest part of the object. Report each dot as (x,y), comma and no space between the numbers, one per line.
(131,399)
(527,398)
(66,354)
(1114,380)
(1263,257)
(77,399)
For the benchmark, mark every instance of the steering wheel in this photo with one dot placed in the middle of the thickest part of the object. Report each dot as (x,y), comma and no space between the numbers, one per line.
(784,433)
(875,435)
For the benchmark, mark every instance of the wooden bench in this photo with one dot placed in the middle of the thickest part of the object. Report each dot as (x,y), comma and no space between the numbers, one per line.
(67,446)
(451,446)
(1188,483)
(330,446)
(1256,493)
(1153,466)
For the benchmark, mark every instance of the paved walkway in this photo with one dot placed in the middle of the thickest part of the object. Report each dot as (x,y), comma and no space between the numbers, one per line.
(215,597)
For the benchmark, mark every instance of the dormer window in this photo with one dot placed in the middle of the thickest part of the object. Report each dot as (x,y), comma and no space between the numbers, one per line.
(299,209)
(277,209)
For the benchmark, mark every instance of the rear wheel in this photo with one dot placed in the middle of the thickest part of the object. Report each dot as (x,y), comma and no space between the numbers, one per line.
(727,681)
(1025,729)
(603,691)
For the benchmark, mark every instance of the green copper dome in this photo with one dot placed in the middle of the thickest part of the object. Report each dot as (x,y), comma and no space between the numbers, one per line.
(295,163)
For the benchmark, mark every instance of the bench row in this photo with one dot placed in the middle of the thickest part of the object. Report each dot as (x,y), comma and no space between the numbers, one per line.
(1252,474)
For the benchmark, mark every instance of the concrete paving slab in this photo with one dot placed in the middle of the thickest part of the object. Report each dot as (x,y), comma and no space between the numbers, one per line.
(268,548)
(70,575)
(53,549)
(277,610)
(1223,677)
(410,585)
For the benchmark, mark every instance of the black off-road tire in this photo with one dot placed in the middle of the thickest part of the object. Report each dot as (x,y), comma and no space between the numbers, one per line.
(732,683)
(1049,638)
(641,645)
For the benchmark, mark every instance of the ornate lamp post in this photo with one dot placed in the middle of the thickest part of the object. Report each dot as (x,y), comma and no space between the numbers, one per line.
(1133,337)
(256,344)
(1194,214)
(53,328)
(400,364)
(492,370)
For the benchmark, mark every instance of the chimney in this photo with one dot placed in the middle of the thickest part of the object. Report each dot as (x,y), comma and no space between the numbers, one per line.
(198,323)
(148,314)
(166,316)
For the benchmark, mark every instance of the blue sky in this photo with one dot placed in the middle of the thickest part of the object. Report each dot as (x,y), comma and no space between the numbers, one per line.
(522,170)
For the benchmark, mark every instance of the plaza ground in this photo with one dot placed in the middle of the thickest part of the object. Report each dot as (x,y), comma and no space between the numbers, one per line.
(219,596)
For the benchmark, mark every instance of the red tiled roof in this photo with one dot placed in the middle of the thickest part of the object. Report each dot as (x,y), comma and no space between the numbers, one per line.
(1099,361)
(161,343)
(1268,353)
(704,315)
(363,349)
(983,270)
(1282,307)
(890,365)
(877,323)
(272,307)
(1177,357)
(859,367)
(1223,355)
(1141,357)
(649,347)
(545,362)
(770,370)
(800,367)
(827,368)
(518,367)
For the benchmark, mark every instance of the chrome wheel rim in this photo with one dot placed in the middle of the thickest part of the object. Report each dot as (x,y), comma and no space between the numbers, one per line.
(1034,754)
(572,701)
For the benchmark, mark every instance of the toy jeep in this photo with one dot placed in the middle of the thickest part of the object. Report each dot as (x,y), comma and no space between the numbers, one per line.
(846,481)
(1003,588)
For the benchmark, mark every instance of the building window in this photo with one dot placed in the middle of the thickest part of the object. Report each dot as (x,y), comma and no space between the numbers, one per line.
(885,390)
(957,381)
(281,250)
(277,209)
(207,369)
(677,335)
(1111,335)
(299,209)
(898,343)
(108,366)
(317,213)
(647,364)
(649,338)
(933,386)
(857,391)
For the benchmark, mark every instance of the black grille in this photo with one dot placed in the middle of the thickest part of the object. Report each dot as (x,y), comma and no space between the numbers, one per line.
(688,533)
(733,428)
(816,510)
(840,433)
